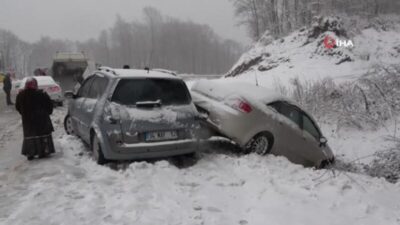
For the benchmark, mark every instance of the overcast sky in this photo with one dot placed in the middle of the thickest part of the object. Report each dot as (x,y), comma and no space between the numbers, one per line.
(83,19)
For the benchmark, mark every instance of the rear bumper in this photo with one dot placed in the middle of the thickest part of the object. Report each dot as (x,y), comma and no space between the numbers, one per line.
(151,150)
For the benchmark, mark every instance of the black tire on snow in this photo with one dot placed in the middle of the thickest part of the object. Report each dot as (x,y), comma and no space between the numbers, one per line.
(66,128)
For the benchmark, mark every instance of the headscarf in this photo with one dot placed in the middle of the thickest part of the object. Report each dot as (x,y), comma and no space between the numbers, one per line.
(31,83)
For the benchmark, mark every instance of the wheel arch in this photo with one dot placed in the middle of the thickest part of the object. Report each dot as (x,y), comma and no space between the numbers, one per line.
(94,130)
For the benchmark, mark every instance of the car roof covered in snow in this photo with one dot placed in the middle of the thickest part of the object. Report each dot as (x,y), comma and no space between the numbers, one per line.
(221,89)
(136,73)
(42,80)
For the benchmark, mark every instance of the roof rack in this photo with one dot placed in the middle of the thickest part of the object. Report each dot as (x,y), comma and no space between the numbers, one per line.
(107,69)
(165,71)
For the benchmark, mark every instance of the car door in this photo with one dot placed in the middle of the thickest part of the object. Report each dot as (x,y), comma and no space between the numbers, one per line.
(90,103)
(76,106)
(289,132)
(313,150)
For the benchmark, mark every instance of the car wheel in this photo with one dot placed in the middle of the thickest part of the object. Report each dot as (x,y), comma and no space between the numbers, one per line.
(97,151)
(69,128)
(327,163)
(260,144)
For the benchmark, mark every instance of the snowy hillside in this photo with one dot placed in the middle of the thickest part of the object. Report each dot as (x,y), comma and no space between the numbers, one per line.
(304,55)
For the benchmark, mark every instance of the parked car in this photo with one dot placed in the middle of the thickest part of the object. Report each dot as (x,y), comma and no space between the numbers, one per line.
(127,114)
(262,121)
(46,84)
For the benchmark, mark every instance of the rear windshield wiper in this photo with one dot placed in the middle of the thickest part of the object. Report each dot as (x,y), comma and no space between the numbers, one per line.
(149,104)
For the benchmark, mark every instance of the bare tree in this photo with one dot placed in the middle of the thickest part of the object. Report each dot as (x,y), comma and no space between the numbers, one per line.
(280,17)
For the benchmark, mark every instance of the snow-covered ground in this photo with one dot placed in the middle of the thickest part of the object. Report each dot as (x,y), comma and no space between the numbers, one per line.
(221,188)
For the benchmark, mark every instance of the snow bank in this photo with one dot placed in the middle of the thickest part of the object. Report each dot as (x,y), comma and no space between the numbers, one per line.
(303,55)
(219,189)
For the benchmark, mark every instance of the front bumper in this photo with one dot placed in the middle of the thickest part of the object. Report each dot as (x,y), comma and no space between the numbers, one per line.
(149,150)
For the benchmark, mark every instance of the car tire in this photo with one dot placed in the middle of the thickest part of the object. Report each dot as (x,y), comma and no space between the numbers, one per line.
(69,129)
(97,152)
(260,144)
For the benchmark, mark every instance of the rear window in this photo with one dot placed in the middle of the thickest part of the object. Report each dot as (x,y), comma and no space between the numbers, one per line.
(169,91)
(45,81)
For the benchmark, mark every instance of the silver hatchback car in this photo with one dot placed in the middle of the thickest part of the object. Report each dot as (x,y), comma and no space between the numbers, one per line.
(261,121)
(133,114)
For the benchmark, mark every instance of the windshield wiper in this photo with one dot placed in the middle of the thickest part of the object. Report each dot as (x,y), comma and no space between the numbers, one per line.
(149,103)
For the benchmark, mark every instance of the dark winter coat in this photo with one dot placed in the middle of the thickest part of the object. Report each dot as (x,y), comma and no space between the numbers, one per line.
(7,85)
(35,107)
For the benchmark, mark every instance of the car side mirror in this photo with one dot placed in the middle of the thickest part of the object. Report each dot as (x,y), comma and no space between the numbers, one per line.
(323,141)
(201,116)
(69,95)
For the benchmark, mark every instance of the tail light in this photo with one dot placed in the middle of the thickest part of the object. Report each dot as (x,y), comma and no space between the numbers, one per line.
(54,89)
(240,105)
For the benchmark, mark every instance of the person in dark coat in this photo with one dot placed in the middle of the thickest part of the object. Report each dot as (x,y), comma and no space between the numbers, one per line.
(7,86)
(35,107)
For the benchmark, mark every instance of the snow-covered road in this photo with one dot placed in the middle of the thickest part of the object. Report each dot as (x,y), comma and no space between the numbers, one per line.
(219,189)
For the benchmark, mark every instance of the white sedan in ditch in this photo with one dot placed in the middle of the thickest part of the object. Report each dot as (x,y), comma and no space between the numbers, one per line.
(261,121)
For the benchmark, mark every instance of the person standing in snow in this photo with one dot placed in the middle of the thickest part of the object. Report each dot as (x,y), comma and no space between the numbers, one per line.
(7,86)
(35,107)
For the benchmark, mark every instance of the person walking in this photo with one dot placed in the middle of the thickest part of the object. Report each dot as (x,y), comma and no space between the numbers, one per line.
(7,86)
(35,107)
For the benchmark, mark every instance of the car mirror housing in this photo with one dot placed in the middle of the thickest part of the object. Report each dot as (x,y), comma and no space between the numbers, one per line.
(201,117)
(323,141)
(69,95)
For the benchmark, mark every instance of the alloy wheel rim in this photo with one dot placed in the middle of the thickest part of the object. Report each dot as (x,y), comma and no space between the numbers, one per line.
(261,145)
(70,130)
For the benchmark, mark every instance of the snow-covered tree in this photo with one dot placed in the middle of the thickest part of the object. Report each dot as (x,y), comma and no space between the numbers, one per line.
(283,16)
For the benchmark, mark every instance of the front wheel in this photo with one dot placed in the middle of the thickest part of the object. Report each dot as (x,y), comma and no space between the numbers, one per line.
(97,152)
(69,128)
(260,144)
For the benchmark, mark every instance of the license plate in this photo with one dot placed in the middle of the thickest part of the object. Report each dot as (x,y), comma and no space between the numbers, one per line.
(161,136)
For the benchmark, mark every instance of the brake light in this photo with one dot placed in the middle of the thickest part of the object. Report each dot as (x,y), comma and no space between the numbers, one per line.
(245,107)
(54,89)
(240,105)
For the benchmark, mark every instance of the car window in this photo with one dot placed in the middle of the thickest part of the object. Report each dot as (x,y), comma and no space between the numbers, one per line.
(292,113)
(289,111)
(98,87)
(276,105)
(309,127)
(85,88)
(169,91)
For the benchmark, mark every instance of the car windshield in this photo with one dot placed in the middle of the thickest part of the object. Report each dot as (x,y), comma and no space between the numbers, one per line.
(168,91)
